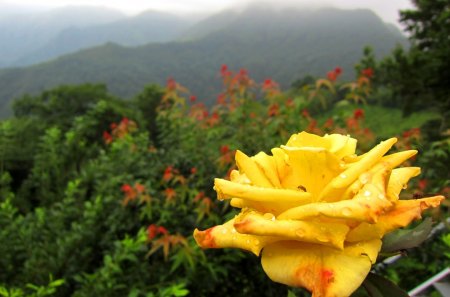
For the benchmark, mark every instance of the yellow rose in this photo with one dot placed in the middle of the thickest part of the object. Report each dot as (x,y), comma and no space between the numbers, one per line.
(316,210)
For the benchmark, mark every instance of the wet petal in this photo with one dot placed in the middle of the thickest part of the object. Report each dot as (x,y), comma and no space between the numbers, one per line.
(226,236)
(251,222)
(322,270)
(403,213)
(347,177)
(367,205)
(268,166)
(248,166)
(341,145)
(312,169)
(280,159)
(398,180)
(264,207)
(305,139)
(227,189)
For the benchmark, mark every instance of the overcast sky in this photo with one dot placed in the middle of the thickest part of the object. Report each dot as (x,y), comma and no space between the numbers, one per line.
(387,9)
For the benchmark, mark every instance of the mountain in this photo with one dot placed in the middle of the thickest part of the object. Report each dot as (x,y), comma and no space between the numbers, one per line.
(284,45)
(149,26)
(20,33)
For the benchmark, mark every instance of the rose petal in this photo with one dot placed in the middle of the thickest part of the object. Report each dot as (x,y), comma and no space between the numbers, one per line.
(341,145)
(305,139)
(322,270)
(398,179)
(347,177)
(226,236)
(268,166)
(312,169)
(367,205)
(248,166)
(264,207)
(280,159)
(251,222)
(403,213)
(227,189)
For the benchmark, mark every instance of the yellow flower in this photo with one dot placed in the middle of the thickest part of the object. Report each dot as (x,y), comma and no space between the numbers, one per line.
(316,210)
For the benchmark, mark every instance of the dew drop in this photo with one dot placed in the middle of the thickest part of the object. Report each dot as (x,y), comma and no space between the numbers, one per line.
(364,178)
(247,241)
(322,238)
(342,175)
(381,196)
(346,211)
(269,216)
(367,193)
(233,230)
(405,186)
(300,232)
(224,231)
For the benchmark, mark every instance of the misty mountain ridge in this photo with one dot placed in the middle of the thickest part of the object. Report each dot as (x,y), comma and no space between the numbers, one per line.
(284,45)
(146,27)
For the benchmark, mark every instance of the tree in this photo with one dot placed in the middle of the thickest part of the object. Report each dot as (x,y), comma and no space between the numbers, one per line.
(419,77)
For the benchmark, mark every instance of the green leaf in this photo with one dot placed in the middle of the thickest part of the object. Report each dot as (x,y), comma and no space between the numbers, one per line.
(378,286)
(406,239)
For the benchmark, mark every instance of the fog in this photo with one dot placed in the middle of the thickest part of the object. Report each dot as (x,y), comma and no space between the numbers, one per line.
(386,9)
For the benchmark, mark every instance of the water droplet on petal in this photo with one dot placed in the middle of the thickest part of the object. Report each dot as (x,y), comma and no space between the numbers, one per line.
(364,178)
(224,231)
(367,193)
(300,232)
(322,238)
(269,216)
(342,175)
(346,211)
(405,186)
(233,230)
(381,196)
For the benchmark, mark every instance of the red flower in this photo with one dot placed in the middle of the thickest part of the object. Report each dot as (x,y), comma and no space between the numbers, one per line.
(289,102)
(170,193)
(221,99)
(126,188)
(193,99)
(305,113)
(329,123)
(274,110)
(113,126)
(171,84)
(107,137)
(368,72)
(224,70)
(162,230)
(358,114)
(168,173)
(334,74)
(152,231)
(193,170)
(125,121)
(140,188)
(423,184)
(243,72)
(224,149)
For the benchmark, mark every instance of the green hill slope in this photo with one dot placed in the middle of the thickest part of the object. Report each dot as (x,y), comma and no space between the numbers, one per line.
(283,44)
